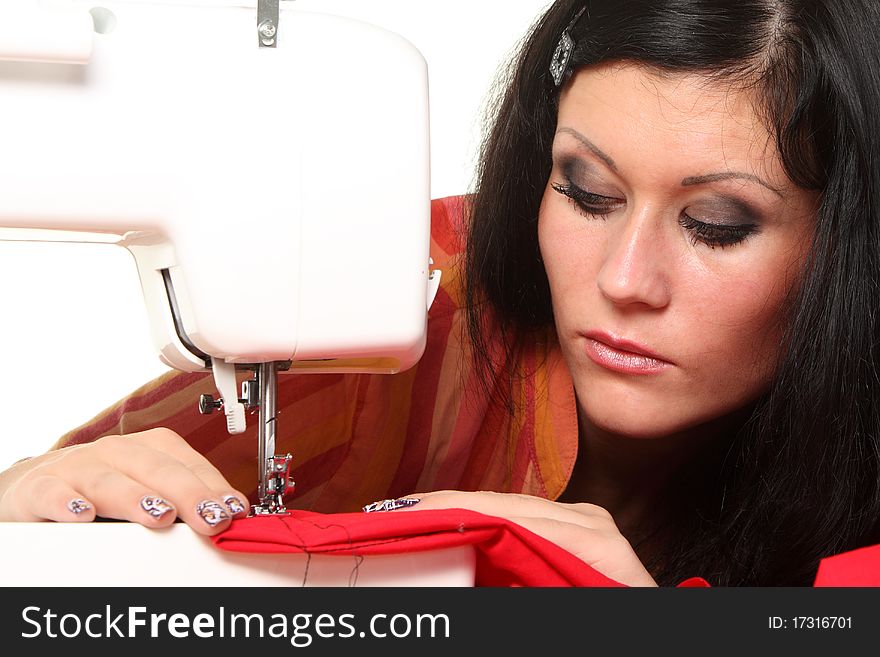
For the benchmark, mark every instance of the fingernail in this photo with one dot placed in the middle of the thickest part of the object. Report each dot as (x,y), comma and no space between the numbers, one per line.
(211,512)
(233,504)
(391,505)
(78,505)
(155,506)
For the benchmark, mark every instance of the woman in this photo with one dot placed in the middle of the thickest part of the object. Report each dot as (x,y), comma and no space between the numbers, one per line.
(676,220)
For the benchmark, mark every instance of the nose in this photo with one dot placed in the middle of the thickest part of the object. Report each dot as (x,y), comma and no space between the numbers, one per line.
(633,271)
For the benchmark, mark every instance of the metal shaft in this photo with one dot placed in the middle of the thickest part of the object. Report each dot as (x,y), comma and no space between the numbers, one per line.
(266,376)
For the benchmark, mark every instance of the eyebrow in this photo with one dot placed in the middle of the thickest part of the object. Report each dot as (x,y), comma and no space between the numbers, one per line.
(686,182)
(727,175)
(590,146)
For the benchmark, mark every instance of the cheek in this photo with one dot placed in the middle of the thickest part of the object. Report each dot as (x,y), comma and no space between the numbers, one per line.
(730,339)
(735,316)
(571,249)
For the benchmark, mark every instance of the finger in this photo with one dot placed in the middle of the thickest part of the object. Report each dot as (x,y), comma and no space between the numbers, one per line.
(206,510)
(569,536)
(167,442)
(47,497)
(509,505)
(118,496)
(610,554)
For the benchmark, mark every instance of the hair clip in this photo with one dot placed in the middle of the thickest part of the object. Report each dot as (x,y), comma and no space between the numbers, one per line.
(562,54)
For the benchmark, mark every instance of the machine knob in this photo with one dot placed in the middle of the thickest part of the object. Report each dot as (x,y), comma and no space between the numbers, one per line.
(208,405)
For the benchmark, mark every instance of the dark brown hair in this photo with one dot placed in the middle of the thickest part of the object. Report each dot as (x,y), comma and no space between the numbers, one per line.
(800,478)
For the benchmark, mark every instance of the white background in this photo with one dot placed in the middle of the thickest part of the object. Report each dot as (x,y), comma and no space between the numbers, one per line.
(74,336)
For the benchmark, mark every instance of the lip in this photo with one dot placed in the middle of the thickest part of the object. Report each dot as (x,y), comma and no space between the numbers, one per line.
(621,355)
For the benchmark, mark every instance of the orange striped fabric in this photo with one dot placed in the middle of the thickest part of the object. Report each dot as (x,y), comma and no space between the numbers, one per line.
(356,438)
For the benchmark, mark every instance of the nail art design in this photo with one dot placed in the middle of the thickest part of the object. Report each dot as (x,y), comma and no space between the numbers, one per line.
(78,505)
(155,506)
(391,505)
(211,512)
(233,504)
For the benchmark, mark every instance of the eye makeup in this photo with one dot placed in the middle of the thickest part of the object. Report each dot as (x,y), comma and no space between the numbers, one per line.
(713,235)
(725,221)
(735,219)
(588,202)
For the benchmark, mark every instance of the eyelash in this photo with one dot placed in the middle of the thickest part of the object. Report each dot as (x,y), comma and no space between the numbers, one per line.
(711,235)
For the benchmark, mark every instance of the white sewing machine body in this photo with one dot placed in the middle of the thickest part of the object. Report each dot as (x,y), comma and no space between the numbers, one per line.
(126,555)
(275,199)
(282,192)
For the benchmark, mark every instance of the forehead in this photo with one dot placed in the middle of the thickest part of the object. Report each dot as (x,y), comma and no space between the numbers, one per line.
(669,115)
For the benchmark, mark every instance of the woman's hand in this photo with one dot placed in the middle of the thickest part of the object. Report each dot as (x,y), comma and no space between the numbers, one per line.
(586,530)
(151,478)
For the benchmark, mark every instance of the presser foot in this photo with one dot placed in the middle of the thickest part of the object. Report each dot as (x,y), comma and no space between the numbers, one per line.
(278,485)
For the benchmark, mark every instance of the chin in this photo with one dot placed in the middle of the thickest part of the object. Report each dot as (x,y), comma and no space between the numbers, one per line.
(654,419)
(636,426)
(641,418)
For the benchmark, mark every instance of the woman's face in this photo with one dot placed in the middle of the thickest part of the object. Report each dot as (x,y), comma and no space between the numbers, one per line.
(667,227)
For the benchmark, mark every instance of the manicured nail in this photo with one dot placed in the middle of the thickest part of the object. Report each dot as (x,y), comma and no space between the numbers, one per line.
(78,505)
(391,505)
(155,506)
(211,512)
(233,504)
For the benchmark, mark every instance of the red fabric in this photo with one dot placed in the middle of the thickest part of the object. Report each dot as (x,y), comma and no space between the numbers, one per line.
(855,568)
(507,554)
(694,582)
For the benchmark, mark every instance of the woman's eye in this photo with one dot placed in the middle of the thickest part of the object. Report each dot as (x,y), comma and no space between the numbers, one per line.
(713,235)
(710,234)
(587,202)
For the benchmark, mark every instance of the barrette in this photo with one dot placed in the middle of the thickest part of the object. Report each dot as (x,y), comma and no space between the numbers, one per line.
(562,54)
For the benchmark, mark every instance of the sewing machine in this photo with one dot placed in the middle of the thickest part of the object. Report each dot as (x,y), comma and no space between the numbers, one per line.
(267,168)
